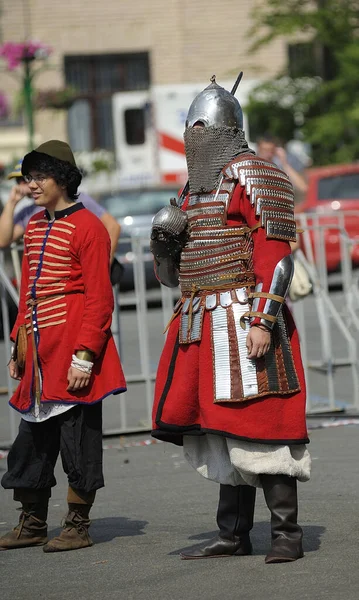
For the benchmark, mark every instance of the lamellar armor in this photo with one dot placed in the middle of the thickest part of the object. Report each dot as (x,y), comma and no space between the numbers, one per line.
(215,269)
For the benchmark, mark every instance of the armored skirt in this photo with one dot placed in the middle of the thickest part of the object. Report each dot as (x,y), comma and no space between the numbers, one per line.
(187,410)
(190,376)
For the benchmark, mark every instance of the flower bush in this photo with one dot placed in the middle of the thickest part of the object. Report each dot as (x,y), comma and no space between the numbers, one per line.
(15,53)
(91,163)
(56,98)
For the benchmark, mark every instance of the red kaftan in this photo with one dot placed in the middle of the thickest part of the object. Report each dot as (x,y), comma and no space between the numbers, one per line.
(184,394)
(66,271)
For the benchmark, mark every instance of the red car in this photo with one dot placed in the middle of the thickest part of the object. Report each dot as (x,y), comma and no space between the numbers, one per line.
(333,196)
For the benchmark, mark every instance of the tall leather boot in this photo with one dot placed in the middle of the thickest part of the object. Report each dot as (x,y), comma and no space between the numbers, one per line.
(235,520)
(280,492)
(32,527)
(76,523)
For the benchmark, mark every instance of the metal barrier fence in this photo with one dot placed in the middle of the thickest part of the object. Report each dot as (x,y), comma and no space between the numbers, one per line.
(328,326)
(338,339)
(6,287)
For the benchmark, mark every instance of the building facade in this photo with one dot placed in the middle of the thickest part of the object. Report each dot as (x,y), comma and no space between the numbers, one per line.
(100,48)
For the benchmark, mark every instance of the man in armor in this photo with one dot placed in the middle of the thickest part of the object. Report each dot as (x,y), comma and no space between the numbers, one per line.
(230,385)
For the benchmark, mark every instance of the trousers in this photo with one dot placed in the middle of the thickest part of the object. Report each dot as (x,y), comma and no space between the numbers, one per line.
(75,434)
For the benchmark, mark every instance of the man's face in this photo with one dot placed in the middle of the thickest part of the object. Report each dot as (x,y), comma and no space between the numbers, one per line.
(266,150)
(44,189)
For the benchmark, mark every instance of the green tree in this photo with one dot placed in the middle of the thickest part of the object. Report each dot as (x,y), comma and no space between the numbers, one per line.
(277,107)
(329,109)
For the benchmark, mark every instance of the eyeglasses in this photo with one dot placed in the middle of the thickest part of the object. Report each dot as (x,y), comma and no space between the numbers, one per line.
(36,178)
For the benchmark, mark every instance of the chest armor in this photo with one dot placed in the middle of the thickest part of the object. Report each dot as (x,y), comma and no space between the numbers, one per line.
(216,255)
(216,270)
(216,266)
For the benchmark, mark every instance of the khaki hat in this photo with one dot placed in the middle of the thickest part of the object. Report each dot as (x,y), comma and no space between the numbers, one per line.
(54,148)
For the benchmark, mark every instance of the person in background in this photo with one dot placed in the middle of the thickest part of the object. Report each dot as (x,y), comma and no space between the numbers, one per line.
(268,149)
(13,225)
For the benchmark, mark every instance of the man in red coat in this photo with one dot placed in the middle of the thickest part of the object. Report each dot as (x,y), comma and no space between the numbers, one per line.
(71,362)
(230,385)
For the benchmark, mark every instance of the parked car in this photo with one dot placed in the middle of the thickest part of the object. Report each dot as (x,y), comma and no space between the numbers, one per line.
(333,196)
(134,209)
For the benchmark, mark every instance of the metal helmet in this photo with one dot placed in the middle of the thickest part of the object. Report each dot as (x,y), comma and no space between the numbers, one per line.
(215,107)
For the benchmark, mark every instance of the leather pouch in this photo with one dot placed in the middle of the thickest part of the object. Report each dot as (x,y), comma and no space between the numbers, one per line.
(20,347)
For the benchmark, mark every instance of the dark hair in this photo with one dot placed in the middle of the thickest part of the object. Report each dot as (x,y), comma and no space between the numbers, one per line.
(268,138)
(64,173)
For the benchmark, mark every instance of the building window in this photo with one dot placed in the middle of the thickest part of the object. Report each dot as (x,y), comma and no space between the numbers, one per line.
(97,78)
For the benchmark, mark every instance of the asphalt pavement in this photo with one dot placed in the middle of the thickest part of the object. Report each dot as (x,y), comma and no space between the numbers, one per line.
(154,505)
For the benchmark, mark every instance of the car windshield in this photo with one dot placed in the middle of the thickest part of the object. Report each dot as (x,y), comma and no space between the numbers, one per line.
(137,202)
(339,187)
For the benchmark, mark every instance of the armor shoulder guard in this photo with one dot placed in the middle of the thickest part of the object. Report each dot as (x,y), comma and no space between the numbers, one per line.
(270,192)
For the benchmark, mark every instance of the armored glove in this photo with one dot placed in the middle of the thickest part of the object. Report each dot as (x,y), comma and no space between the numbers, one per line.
(169,235)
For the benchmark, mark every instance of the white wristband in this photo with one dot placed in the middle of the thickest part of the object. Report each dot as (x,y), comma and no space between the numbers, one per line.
(82,365)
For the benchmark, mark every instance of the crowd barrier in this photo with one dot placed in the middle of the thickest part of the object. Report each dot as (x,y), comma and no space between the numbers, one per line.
(330,356)
(336,315)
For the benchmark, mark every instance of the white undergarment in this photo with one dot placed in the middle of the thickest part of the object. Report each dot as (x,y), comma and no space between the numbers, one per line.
(235,462)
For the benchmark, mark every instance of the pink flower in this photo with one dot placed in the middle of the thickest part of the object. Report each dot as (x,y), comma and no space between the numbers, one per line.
(14,53)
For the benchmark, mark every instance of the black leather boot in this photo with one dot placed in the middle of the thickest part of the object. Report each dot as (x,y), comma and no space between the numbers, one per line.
(234,519)
(280,492)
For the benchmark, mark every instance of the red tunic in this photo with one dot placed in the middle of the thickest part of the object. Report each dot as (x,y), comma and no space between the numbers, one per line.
(67,295)
(185,379)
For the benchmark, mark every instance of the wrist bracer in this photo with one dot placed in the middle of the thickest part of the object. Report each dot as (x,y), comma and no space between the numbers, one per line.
(278,290)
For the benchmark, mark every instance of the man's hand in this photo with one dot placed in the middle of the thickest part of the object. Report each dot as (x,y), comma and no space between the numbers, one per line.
(282,155)
(13,370)
(258,342)
(18,192)
(77,379)
(164,244)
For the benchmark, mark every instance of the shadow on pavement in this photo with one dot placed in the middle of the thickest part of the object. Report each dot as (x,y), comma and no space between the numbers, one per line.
(260,537)
(105,530)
